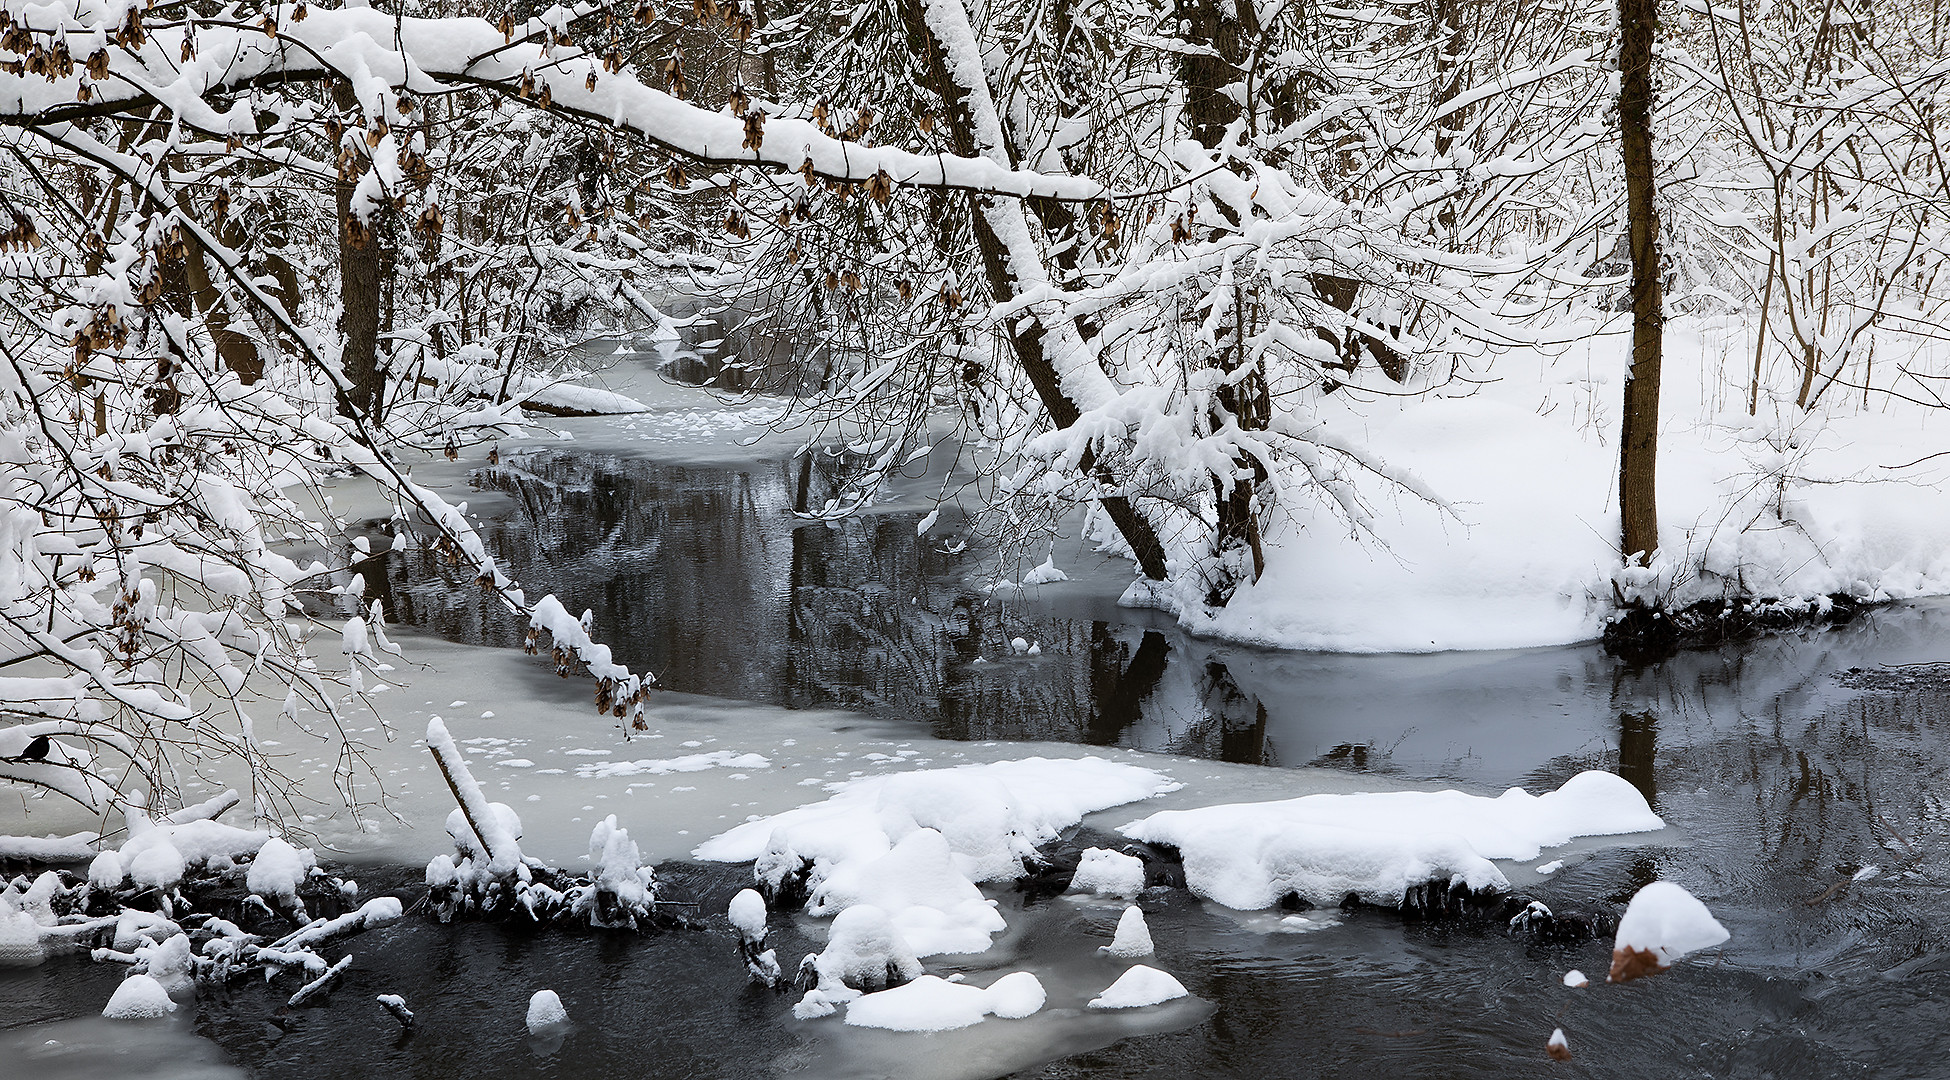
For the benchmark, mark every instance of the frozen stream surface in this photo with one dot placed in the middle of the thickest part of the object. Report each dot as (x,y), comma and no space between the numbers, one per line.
(798,656)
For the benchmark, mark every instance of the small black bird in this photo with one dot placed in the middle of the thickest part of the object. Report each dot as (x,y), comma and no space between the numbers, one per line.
(36,750)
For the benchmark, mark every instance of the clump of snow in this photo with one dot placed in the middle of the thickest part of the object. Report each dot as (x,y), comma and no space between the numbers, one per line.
(1045,573)
(1138,987)
(106,872)
(916,844)
(748,917)
(158,865)
(930,1003)
(169,964)
(1108,873)
(927,895)
(1378,845)
(546,1015)
(747,914)
(1576,979)
(278,870)
(624,889)
(139,997)
(864,951)
(1663,923)
(1551,867)
(1133,937)
(20,939)
(1559,1047)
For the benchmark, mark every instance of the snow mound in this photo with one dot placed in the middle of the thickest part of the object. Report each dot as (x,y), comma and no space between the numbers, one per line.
(278,870)
(20,939)
(916,844)
(545,1013)
(864,951)
(934,1004)
(1133,937)
(139,998)
(1662,923)
(1138,987)
(1108,873)
(1377,846)
(1576,979)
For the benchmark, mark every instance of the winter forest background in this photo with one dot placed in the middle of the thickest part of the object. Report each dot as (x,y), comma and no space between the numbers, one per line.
(1399,326)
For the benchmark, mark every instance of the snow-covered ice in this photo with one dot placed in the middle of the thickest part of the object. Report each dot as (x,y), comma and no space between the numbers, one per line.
(1138,987)
(930,1003)
(1377,845)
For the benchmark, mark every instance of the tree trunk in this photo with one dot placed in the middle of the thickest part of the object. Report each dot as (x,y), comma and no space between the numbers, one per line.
(1218,41)
(1638,444)
(1025,334)
(359,281)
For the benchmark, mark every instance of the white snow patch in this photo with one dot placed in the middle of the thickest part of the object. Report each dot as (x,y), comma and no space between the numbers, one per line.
(1138,987)
(1133,937)
(935,1004)
(1666,920)
(139,998)
(716,759)
(545,1013)
(1377,845)
(1108,873)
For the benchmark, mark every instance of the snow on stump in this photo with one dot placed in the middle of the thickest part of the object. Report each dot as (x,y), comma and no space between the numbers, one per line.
(139,998)
(748,917)
(1576,979)
(1133,937)
(863,952)
(1662,923)
(1559,1047)
(1139,987)
(546,1016)
(1108,873)
(931,1003)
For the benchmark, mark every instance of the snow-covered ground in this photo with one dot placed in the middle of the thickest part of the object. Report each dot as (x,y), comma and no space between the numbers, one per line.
(1781,504)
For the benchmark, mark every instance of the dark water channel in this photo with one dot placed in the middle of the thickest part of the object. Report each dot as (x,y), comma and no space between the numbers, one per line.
(1782,767)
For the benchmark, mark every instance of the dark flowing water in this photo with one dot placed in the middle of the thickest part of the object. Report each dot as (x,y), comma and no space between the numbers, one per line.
(1782,767)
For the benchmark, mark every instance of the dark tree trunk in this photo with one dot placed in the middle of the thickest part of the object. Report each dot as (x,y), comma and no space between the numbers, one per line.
(1219,41)
(359,290)
(1026,335)
(1638,444)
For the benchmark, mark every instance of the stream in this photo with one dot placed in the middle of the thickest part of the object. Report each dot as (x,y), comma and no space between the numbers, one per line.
(1782,767)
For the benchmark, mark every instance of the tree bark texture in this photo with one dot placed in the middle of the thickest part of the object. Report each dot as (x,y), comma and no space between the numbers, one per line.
(359,290)
(1639,440)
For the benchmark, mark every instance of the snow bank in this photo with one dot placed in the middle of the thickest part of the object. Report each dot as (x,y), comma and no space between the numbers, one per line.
(916,844)
(1662,923)
(1376,846)
(1138,987)
(934,1004)
(1108,873)
(1783,504)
